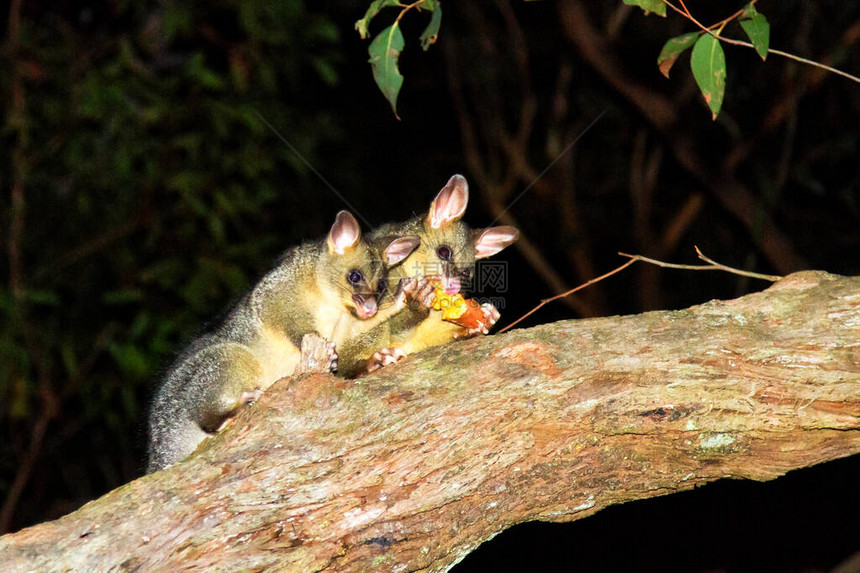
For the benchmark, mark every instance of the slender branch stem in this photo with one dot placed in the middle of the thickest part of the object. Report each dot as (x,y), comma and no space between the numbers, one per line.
(407,8)
(764,277)
(564,294)
(808,62)
(711,266)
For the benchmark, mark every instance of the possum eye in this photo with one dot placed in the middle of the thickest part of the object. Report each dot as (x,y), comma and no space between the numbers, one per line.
(382,285)
(354,276)
(445,253)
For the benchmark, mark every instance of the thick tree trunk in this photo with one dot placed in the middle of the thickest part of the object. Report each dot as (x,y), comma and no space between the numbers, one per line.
(413,468)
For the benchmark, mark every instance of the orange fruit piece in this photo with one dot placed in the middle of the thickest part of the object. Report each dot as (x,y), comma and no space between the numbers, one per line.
(453,306)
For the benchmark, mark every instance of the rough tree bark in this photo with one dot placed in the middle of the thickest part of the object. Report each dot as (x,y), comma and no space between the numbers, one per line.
(412,468)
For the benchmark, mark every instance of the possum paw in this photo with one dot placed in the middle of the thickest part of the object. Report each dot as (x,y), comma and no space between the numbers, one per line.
(383,357)
(318,355)
(419,294)
(491,316)
(250,396)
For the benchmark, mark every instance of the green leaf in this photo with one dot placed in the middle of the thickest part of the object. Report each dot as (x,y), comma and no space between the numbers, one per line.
(648,6)
(749,11)
(674,48)
(431,32)
(372,11)
(384,52)
(709,68)
(757,29)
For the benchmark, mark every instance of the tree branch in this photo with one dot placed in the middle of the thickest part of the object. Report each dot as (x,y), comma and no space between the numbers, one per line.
(411,469)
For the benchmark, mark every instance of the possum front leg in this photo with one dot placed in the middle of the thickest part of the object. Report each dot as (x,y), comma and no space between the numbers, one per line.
(243,387)
(417,296)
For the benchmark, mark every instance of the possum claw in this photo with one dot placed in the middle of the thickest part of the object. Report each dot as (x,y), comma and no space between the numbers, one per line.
(383,357)
(424,293)
(419,293)
(318,355)
(491,316)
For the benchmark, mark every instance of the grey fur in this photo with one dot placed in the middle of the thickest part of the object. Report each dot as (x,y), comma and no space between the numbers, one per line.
(261,340)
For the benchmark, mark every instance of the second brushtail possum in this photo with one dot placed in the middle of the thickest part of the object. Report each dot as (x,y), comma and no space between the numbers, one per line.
(318,297)
(446,255)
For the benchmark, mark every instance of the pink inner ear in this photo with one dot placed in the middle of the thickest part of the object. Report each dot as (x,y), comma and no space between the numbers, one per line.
(401,248)
(345,233)
(450,204)
(493,240)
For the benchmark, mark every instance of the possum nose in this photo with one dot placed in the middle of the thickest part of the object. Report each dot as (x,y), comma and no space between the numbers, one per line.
(364,307)
(452,285)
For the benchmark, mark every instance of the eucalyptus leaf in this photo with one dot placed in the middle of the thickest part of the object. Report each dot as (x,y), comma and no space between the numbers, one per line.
(372,11)
(384,53)
(649,6)
(708,62)
(674,48)
(757,29)
(431,32)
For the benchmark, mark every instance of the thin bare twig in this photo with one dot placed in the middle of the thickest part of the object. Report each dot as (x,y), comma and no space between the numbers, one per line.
(564,294)
(711,266)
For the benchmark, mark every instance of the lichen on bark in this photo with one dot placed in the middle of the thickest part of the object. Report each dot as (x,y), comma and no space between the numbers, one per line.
(413,467)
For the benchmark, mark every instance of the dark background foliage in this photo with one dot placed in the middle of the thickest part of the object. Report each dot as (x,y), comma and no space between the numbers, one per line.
(143,191)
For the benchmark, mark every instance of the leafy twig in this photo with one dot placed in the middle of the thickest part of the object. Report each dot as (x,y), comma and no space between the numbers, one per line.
(709,29)
(386,47)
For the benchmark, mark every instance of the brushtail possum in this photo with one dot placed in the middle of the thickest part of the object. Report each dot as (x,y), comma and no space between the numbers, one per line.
(318,297)
(447,253)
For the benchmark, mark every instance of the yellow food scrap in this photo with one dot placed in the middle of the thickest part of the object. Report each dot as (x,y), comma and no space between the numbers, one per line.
(453,306)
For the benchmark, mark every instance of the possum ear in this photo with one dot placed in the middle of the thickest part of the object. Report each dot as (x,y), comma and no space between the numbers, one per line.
(400,248)
(344,234)
(450,204)
(490,241)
